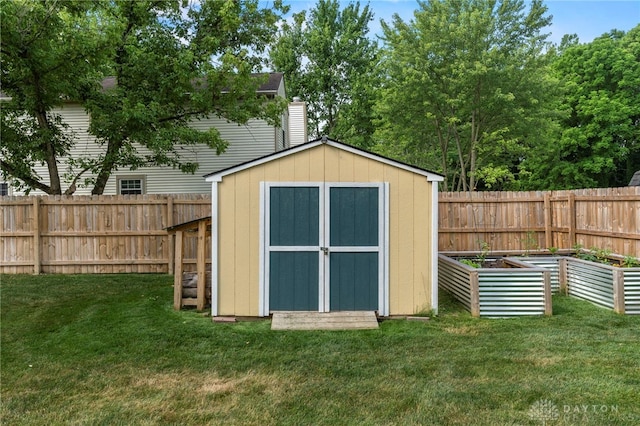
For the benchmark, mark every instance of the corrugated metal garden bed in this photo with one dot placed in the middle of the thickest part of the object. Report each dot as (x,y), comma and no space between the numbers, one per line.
(552,263)
(608,285)
(515,288)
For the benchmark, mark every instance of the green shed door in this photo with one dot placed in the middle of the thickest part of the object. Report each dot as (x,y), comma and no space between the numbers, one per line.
(354,248)
(294,234)
(324,247)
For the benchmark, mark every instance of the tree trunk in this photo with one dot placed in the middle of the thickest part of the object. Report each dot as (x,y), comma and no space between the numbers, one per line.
(48,145)
(444,148)
(107,167)
(50,156)
(473,153)
(463,165)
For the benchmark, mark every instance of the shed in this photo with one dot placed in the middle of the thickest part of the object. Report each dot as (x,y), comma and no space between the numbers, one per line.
(324,227)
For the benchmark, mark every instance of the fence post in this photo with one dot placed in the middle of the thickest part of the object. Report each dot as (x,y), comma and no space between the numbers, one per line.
(548,308)
(572,219)
(201,266)
(36,235)
(170,236)
(562,276)
(618,291)
(177,278)
(548,220)
(475,293)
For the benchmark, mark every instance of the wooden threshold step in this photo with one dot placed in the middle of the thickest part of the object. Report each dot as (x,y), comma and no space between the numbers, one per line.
(343,320)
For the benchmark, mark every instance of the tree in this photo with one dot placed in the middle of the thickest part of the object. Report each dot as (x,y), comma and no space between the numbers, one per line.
(330,63)
(599,144)
(466,88)
(170,64)
(48,50)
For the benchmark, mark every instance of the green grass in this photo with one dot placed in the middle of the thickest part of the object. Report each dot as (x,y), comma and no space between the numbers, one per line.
(109,349)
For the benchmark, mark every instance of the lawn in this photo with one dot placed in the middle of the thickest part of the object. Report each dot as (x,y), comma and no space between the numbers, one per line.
(109,349)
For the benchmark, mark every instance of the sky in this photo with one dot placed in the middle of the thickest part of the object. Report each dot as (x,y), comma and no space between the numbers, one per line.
(586,18)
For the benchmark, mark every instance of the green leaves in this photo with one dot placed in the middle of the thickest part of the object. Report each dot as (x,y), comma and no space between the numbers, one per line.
(467,88)
(600,141)
(169,62)
(329,61)
(466,82)
(49,52)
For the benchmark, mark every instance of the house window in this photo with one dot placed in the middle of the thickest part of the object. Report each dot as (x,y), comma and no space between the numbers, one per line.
(4,188)
(131,185)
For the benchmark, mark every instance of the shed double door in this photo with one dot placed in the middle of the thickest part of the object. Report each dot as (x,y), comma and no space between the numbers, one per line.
(325,247)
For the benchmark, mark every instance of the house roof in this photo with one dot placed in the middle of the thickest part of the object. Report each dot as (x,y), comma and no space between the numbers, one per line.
(218,175)
(273,83)
(271,86)
(635,180)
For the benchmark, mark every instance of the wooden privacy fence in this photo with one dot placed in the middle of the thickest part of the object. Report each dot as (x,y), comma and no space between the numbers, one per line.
(607,218)
(112,234)
(95,234)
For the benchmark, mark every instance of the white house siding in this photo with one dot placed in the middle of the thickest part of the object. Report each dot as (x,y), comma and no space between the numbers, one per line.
(253,140)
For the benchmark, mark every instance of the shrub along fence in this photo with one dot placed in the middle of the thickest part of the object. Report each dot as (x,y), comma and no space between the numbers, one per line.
(112,234)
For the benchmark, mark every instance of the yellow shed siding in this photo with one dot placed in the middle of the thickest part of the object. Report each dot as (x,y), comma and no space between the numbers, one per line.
(254,249)
(405,242)
(422,247)
(244,291)
(410,233)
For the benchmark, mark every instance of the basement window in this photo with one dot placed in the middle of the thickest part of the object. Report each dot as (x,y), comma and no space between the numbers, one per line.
(131,185)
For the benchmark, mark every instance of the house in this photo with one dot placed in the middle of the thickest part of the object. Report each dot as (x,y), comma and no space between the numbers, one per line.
(324,227)
(255,139)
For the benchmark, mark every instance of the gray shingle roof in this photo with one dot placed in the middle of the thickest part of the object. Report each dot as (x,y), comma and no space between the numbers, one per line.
(270,87)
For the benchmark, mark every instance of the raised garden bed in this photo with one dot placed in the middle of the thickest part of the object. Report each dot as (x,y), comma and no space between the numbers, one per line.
(600,279)
(606,285)
(587,275)
(510,288)
(553,264)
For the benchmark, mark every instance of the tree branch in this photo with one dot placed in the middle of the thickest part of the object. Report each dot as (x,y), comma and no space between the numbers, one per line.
(183,115)
(72,188)
(9,169)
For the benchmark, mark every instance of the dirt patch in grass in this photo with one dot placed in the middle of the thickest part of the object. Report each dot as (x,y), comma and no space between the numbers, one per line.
(464,330)
(205,384)
(172,382)
(541,361)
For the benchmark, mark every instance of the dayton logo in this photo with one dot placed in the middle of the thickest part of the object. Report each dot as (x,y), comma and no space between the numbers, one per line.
(544,411)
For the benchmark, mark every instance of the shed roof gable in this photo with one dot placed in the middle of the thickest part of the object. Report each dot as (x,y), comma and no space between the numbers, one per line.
(218,175)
